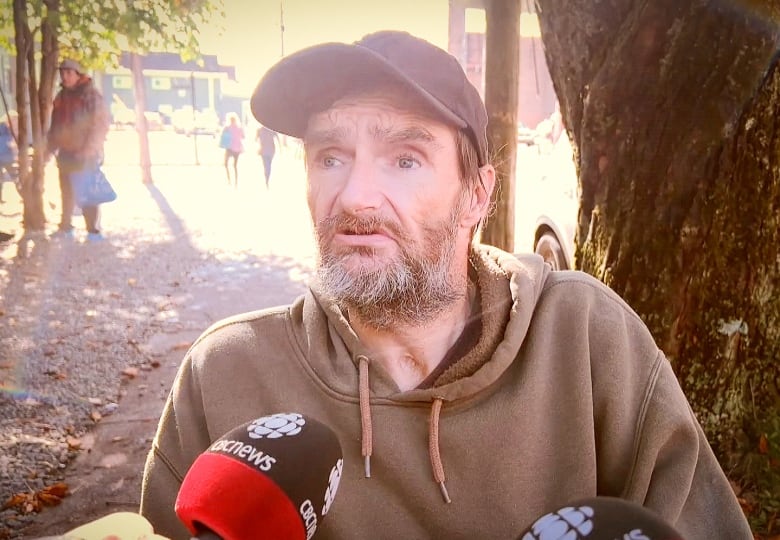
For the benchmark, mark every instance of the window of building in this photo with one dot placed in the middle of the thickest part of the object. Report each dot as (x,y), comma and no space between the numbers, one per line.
(122,82)
(161,83)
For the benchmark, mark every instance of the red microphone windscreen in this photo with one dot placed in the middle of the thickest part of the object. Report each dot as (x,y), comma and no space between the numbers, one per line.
(273,477)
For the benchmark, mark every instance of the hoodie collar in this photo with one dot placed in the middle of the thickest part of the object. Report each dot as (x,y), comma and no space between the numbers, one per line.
(509,286)
(508,290)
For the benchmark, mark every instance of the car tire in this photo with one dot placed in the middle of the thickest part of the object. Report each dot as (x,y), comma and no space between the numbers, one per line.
(551,251)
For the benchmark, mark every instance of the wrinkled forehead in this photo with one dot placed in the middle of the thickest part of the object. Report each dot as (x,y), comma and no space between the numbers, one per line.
(376,111)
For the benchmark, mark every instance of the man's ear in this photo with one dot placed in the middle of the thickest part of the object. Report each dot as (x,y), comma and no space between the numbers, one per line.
(478,203)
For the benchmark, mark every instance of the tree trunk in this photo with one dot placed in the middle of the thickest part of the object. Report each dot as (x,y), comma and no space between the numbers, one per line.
(33,103)
(502,64)
(672,108)
(31,176)
(34,215)
(49,59)
(141,127)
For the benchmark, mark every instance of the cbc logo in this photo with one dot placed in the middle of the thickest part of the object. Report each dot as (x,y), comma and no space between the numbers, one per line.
(568,523)
(333,485)
(276,426)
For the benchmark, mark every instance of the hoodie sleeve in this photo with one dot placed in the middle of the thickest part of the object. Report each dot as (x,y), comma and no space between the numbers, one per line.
(675,471)
(180,438)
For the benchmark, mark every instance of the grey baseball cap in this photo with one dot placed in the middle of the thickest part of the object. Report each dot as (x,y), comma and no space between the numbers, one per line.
(311,80)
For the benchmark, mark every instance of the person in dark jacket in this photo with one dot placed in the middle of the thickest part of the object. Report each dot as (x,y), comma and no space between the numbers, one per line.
(79,124)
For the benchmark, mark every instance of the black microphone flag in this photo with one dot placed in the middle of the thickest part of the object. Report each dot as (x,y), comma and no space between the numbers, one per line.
(601,518)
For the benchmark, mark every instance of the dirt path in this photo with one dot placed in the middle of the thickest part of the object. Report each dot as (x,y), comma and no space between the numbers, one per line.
(106,476)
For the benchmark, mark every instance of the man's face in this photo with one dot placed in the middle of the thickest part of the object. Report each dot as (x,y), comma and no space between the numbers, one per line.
(386,199)
(69,77)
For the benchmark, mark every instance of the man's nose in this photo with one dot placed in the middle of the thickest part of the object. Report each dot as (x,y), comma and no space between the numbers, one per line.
(361,190)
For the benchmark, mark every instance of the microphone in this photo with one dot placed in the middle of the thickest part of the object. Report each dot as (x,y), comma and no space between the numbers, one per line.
(601,518)
(273,477)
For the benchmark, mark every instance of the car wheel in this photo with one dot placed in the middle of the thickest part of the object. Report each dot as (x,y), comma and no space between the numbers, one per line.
(551,251)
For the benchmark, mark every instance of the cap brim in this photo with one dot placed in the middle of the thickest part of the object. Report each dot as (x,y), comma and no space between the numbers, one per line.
(311,80)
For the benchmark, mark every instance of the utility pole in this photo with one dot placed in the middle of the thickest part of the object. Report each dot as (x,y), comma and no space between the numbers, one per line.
(194,117)
(281,24)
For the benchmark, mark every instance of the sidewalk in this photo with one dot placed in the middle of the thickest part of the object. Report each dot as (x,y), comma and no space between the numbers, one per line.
(95,332)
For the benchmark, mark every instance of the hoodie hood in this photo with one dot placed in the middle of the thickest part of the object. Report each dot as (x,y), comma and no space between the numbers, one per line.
(509,287)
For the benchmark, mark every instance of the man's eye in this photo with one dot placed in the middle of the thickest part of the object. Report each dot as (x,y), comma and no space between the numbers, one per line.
(406,162)
(330,161)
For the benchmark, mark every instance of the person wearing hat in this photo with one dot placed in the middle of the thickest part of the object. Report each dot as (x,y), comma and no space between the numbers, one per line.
(472,390)
(79,124)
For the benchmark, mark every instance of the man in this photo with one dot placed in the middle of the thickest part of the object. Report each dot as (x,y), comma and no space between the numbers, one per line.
(472,390)
(79,124)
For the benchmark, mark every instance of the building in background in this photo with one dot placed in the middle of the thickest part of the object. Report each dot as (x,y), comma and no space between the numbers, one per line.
(190,97)
(536,95)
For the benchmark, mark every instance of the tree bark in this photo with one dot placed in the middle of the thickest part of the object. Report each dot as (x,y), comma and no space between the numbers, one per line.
(30,171)
(141,127)
(49,61)
(672,108)
(33,104)
(34,215)
(502,64)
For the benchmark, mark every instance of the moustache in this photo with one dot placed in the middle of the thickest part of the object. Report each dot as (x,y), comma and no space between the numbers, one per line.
(349,224)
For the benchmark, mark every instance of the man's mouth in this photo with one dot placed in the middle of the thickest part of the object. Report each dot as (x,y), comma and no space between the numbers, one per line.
(361,231)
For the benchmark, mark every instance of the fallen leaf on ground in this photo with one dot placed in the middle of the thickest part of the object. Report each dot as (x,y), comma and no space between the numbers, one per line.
(56,375)
(74,443)
(130,372)
(763,444)
(30,502)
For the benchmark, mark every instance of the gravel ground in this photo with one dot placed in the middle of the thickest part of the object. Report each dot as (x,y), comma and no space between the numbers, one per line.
(76,317)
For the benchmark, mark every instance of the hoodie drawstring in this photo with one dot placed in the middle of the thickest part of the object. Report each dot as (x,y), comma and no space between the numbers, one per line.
(367,438)
(433,449)
(365,414)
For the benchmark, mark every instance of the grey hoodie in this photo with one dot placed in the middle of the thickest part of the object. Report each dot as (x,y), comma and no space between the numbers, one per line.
(564,396)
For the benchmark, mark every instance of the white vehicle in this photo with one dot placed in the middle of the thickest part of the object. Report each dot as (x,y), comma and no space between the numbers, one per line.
(199,122)
(547,201)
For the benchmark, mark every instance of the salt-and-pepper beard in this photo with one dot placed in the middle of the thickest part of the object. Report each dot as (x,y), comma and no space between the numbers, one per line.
(409,290)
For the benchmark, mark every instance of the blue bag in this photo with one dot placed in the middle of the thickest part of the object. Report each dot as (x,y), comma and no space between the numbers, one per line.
(91,187)
(8,153)
(225,139)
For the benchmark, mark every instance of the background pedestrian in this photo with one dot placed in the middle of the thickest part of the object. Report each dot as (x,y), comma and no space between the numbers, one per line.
(267,140)
(79,124)
(232,140)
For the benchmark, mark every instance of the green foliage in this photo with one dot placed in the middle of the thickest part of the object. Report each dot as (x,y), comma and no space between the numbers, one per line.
(96,32)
